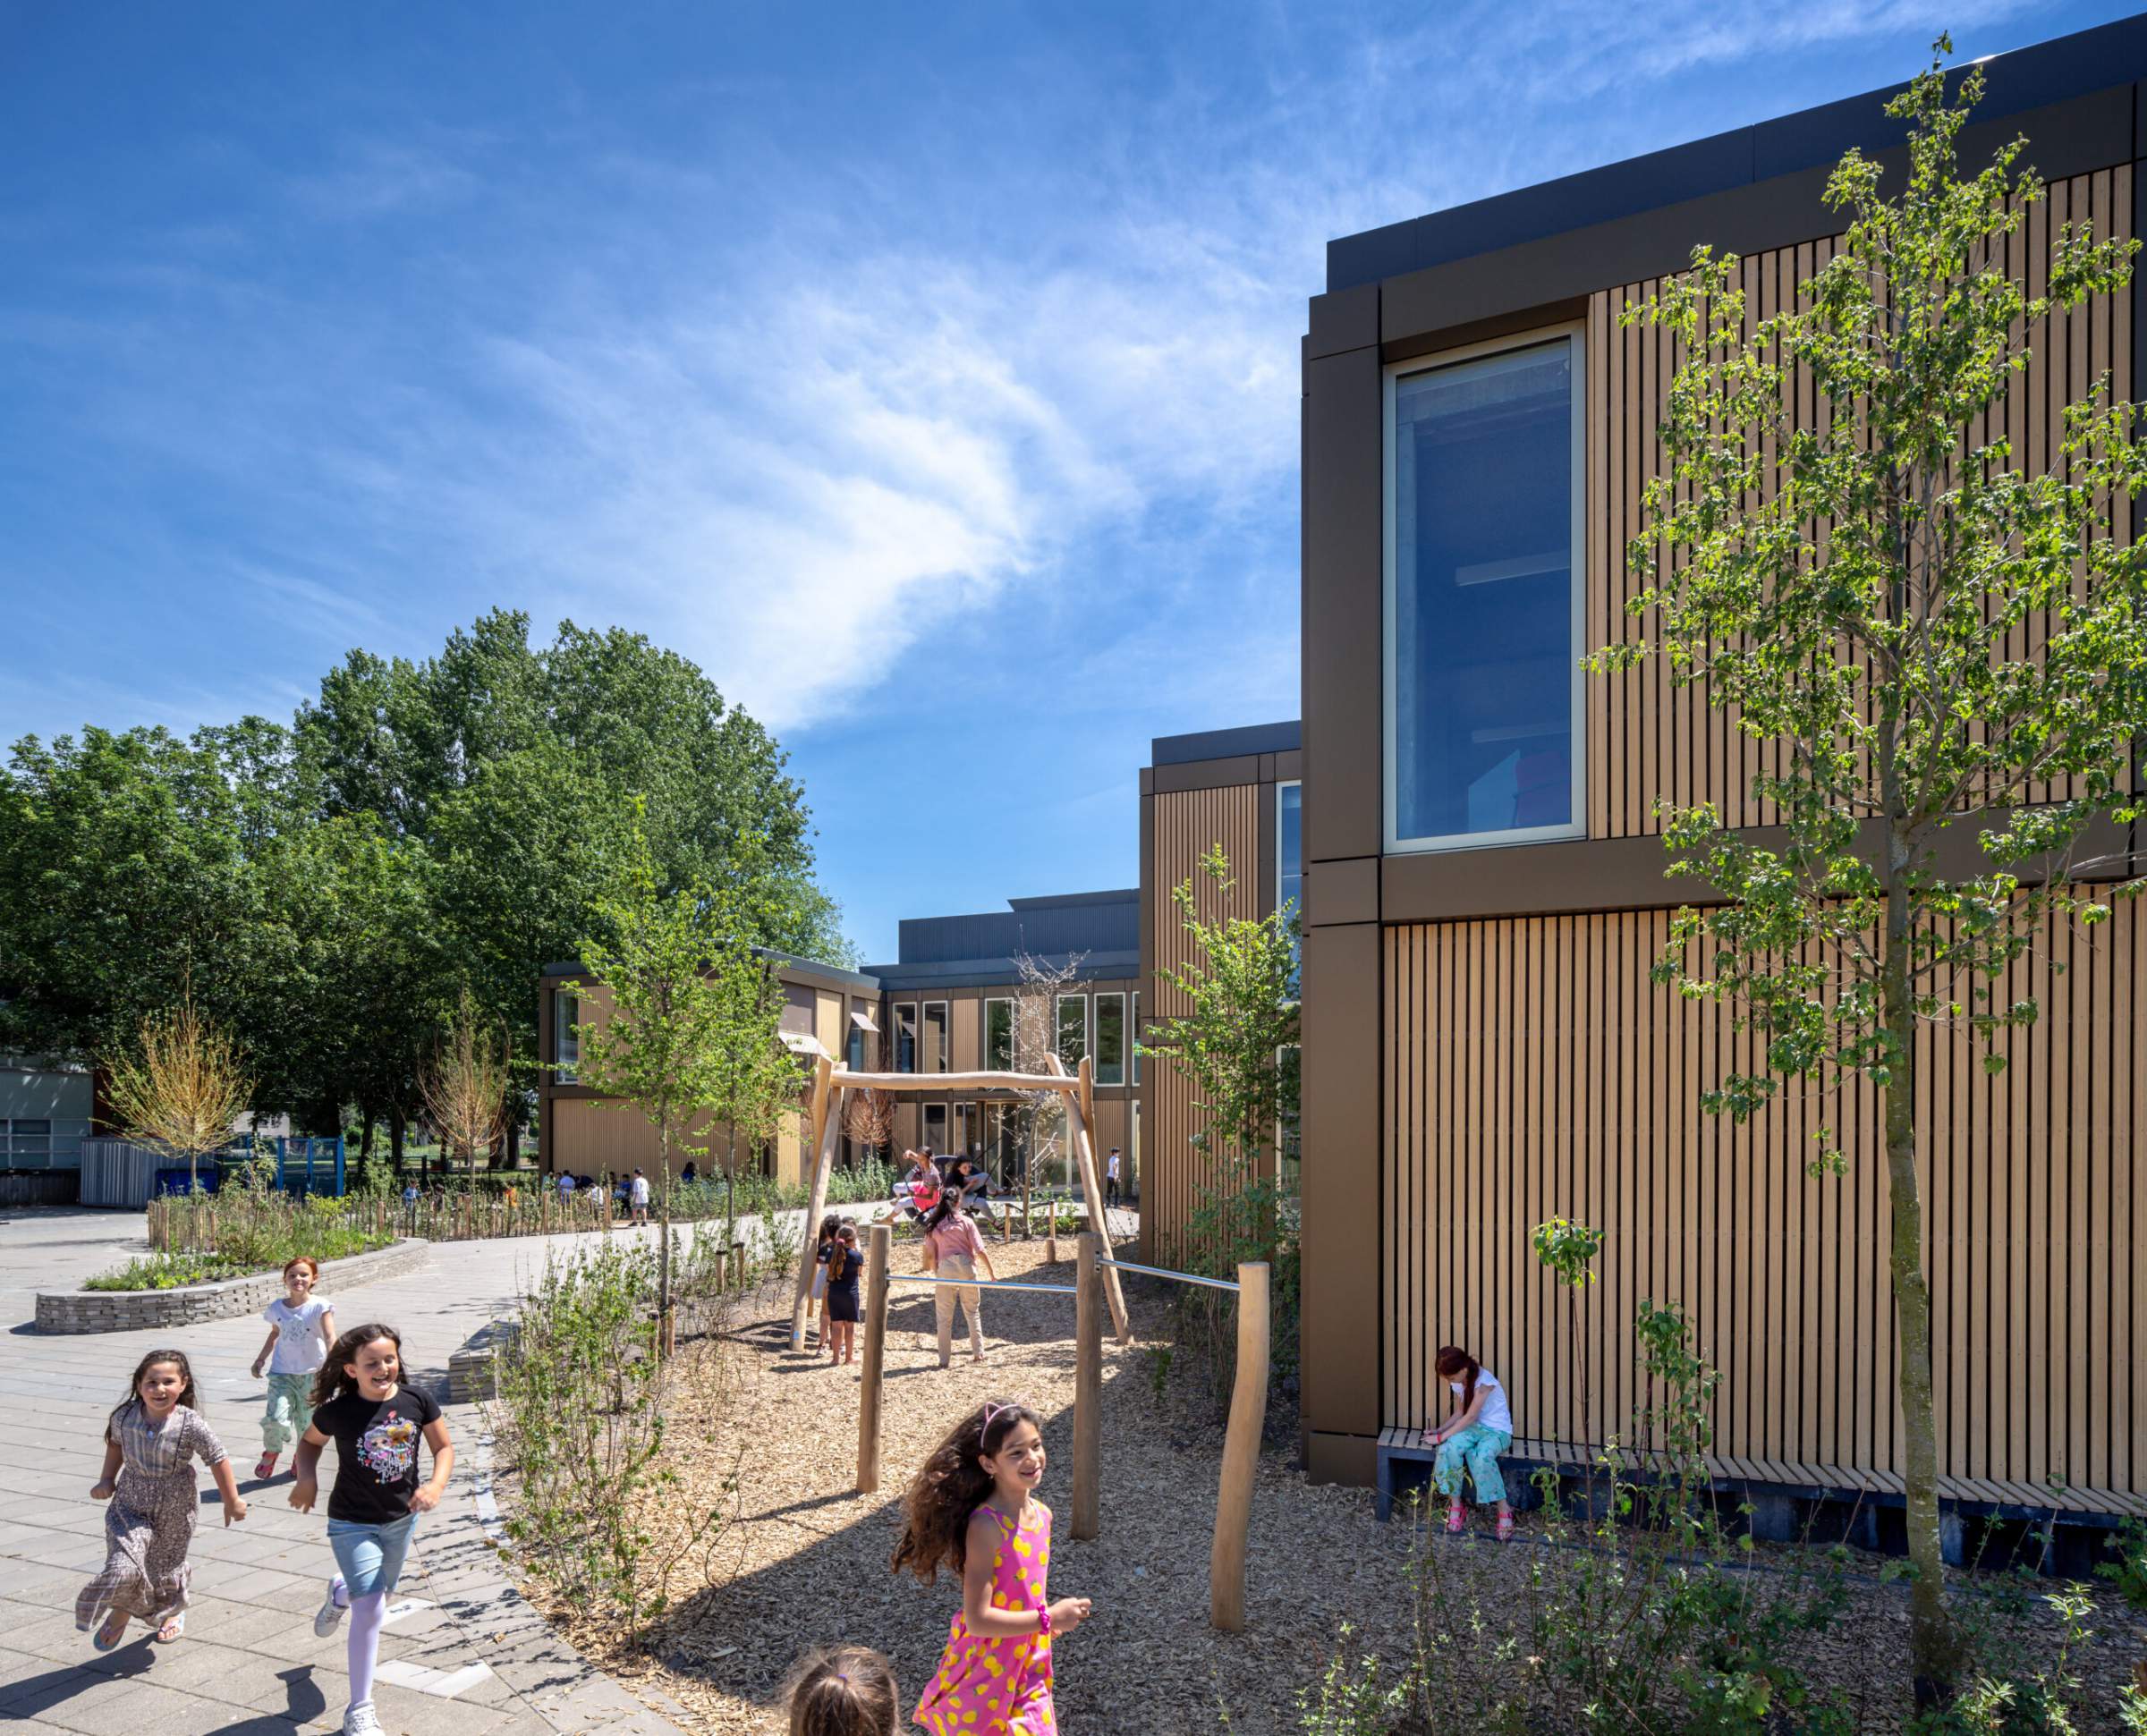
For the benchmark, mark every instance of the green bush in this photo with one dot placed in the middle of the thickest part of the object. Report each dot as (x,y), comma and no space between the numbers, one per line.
(244,1230)
(168,1272)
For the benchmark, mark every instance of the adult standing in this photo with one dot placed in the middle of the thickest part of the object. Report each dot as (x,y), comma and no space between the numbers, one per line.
(951,1249)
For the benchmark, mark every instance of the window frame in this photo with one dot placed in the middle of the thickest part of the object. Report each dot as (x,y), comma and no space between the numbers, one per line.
(1096,1003)
(1058,1029)
(1574,332)
(914,1033)
(566,1040)
(944,1061)
(992,1064)
(1132,1015)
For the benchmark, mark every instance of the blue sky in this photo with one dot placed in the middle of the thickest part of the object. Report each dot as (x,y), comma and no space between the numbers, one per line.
(929,374)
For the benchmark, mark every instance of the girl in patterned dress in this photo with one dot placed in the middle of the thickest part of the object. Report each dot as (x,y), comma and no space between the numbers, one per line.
(151,1444)
(972,1506)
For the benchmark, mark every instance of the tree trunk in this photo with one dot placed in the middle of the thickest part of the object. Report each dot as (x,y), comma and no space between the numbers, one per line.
(365,1137)
(663,1257)
(1932,1649)
(397,1128)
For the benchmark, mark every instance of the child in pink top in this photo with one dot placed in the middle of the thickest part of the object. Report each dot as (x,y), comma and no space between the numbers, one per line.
(952,1248)
(972,1506)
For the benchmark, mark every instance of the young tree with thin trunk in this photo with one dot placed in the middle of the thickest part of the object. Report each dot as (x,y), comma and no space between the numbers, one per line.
(464,1084)
(1856,584)
(182,1087)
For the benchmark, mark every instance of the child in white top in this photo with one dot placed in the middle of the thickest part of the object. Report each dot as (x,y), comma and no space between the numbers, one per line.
(301,1326)
(1480,1428)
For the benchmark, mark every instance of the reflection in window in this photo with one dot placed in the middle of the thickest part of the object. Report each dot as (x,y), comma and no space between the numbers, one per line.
(566,1041)
(1136,1037)
(998,1037)
(905,1037)
(935,1036)
(1483,645)
(1289,849)
(1073,1029)
(1110,1039)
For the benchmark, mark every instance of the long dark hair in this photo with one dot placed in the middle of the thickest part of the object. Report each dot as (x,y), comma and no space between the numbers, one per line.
(1452,1361)
(177,1358)
(334,1379)
(950,1486)
(950,1206)
(845,1690)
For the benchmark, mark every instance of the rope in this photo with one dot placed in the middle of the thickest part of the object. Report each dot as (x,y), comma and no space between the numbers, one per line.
(981,1283)
(1159,1271)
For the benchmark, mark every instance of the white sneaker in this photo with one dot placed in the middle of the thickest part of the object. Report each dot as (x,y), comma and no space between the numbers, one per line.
(328,1614)
(360,1721)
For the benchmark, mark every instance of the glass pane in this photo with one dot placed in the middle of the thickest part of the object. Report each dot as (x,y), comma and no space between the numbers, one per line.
(905,1037)
(1073,1029)
(935,1036)
(1110,1039)
(1136,1037)
(1289,834)
(998,1036)
(934,1128)
(1484,650)
(567,1042)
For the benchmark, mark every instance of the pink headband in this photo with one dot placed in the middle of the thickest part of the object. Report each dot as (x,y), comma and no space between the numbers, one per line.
(991,1411)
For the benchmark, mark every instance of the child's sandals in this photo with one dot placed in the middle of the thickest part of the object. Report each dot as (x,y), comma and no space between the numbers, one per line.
(264,1467)
(1458,1519)
(1506,1526)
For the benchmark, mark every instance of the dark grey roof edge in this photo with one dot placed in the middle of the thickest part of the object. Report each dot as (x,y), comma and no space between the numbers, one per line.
(2025,78)
(1068,899)
(834,975)
(970,973)
(1227,743)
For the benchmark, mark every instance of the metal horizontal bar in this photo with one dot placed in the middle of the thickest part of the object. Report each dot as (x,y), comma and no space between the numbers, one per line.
(938,1084)
(979,1283)
(1159,1271)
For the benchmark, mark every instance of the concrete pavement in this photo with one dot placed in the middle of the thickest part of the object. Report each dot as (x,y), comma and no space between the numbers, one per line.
(461,1655)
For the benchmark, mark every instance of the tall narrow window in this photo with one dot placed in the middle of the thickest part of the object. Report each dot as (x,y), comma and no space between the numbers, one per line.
(934,1128)
(1073,1029)
(1483,501)
(935,1038)
(853,1051)
(1289,861)
(905,1037)
(566,1041)
(1136,1037)
(1110,1039)
(998,1037)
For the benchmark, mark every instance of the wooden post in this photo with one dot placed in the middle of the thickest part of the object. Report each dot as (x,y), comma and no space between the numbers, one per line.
(827,1127)
(869,1372)
(738,1265)
(1241,1453)
(1088,1389)
(1085,1154)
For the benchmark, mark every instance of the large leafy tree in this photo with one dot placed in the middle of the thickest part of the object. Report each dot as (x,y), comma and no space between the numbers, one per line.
(1852,583)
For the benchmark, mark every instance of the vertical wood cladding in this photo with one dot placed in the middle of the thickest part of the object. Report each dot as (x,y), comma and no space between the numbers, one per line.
(1533,1069)
(1187,824)
(1647,738)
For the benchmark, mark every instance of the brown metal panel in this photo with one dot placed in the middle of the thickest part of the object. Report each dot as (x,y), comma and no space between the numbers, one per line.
(1341,483)
(1342,892)
(1346,319)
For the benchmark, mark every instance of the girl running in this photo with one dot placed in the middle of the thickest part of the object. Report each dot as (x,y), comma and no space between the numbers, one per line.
(300,1328)
(150,1442)
(1480,1428)
(375,1421)
(972,1507)
(845,1691)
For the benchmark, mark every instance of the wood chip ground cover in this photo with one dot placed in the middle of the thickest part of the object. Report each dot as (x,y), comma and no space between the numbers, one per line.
(772,1437)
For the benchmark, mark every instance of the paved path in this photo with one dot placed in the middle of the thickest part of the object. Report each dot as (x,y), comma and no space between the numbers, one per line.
(464,1655)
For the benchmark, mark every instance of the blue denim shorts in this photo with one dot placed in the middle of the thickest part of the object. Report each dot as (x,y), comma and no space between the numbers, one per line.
(369,1557)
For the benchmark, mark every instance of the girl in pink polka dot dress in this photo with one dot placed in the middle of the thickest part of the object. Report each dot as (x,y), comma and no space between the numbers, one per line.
(972,1507)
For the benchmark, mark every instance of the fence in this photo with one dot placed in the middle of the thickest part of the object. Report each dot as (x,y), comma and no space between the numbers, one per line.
(124,1173)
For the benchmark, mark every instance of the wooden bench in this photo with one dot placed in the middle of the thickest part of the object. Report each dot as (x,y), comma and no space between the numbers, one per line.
(1785,1480)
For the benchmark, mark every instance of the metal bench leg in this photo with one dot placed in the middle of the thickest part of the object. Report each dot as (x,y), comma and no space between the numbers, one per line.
(1382,1505)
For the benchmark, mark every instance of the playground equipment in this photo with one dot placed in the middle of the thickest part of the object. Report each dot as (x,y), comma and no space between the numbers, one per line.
(831,1087)
(1095,1271)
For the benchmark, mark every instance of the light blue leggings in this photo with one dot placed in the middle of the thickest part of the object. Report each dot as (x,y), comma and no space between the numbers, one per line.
(1477,1448)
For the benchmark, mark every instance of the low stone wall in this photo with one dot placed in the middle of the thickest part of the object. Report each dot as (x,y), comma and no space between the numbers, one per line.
(131,1310)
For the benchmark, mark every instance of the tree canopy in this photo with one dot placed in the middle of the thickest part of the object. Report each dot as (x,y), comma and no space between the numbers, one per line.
(327,888)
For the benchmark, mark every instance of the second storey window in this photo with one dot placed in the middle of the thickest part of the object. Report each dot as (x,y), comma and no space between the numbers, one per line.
(998,1037)
(1110,1039)
(934,1059)
(567,1042)
(1073,1029)
(1483,555)
(905,1037)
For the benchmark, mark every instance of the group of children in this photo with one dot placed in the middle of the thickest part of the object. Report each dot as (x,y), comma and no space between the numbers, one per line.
(321,1387)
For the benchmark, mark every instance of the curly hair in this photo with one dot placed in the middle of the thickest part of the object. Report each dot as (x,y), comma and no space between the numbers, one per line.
(949,1487)
(334,1379)
(845,1690)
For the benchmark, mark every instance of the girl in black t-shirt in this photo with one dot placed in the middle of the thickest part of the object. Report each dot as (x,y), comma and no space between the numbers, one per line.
(360,1403)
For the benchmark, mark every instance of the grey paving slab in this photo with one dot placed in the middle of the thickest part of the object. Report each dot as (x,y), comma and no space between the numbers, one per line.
(249,1663)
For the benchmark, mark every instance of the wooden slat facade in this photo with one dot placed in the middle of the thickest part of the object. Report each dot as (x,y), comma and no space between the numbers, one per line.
(1647,738)
(1187,824)
(1533,1069)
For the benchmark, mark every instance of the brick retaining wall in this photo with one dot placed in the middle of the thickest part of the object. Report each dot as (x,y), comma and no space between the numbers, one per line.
(127,1311)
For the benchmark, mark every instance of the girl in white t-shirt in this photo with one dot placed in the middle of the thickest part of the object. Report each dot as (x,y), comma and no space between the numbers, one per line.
(1480,1428)
(300,1328)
